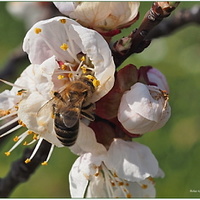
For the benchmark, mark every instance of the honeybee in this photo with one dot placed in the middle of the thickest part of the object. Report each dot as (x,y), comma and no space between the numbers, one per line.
(69,105)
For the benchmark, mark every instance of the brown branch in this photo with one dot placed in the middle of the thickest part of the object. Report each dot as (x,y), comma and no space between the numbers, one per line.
(20,171)
(136,41)
(178,20)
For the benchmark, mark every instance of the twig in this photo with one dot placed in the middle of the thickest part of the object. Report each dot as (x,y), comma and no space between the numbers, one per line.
(136,42)
(178,20)
(20,171)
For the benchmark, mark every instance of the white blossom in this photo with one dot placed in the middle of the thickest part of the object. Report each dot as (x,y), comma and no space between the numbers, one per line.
(66,39)
(125,170)
(144,108)
(101,16)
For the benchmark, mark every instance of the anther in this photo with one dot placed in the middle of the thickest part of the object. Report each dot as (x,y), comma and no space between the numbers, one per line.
(60,77)
(35,137)
(44,163)
(4,112)
(64,46)
(27,160)
(144,186)
(16,138)
(63,21)
(7,153)
(129,195)
(37,30)
(83,58)
(84,69)
(21,123)
(63,67)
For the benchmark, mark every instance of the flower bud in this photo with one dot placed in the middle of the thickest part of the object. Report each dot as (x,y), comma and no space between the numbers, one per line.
(105,17)
(158,79)
(143,109)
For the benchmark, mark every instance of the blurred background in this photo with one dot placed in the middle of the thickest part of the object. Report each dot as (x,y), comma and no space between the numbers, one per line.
(176,145)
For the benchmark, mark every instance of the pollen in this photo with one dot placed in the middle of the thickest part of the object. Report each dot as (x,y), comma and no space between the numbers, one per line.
(21,123)
(37,30)
(63,21)
(29,132)
(70,75)
(129,195)
(83,58)
(16,138)
(7,153)
(35,137)
(90,77)
(96,82)
(121,183)
(4,112)
(44,163)
(84,69)
(27,160)
(64,46)
(96,174)
(60,77)
(144,186)
(25,143)
(63,67)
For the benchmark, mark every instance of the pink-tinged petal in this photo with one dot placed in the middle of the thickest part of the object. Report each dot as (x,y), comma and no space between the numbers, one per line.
(131,161)
(155,76)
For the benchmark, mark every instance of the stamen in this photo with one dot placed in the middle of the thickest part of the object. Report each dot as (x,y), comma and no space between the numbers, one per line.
(9,123)
(49,155)
(11,84)
(34,151)
(84,69)
(8,115)
(10,131)
(21,123)
(37,30)
(83,58)
(16,138)
(23,136)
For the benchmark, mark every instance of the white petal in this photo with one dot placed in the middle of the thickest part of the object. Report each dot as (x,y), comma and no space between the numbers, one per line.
(97,49)
(28,113)
(47,43)
(131,161)
(65,7)
(97,187)
(77,180)
(8,100)
(86,142)
(143,189)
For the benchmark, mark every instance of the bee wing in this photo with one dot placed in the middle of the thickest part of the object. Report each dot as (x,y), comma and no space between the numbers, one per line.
(46,108)
(71,117)
(68,112)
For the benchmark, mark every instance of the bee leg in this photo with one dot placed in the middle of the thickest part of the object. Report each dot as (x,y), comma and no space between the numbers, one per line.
(87,111)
